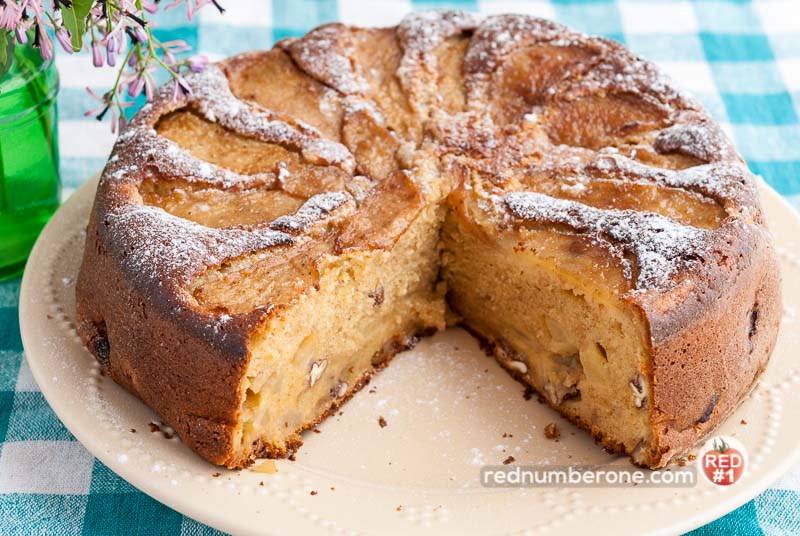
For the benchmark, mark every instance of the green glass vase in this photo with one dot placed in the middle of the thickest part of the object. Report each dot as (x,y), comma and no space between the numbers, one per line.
(29,182)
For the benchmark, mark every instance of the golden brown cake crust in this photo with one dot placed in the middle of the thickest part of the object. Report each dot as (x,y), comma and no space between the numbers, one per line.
(538,126)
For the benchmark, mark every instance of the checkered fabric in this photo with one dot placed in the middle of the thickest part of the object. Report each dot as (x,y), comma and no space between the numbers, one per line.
(741,59)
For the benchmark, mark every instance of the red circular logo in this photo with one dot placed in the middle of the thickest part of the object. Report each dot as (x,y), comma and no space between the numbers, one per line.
(723,461)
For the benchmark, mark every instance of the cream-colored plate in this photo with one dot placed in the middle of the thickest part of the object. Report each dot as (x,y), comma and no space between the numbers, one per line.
(449,409)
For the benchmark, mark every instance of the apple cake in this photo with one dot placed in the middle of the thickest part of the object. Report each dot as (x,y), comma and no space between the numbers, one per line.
(260,246)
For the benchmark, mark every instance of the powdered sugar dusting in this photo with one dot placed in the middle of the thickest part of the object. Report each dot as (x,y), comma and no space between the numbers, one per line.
(213,96)
(170,160)
(661,246)
(495,38)
(161,247)
(499,35)
(704,141)
(355,105)
(314,210)
(726,182)
(620,71)
(422,31)
(323,53)
(419,34)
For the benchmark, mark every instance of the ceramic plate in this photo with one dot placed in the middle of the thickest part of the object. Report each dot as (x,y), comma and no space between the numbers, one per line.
(448,410)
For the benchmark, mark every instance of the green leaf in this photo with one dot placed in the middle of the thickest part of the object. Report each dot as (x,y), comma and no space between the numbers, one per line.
(74,18)
(6,52)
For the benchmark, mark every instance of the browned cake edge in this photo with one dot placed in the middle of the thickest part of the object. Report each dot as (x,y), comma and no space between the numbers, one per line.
(152,339)
(150,350)
(705,369)
(698,372)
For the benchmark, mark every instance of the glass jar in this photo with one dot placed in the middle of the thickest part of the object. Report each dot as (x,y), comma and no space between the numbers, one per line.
(29,182)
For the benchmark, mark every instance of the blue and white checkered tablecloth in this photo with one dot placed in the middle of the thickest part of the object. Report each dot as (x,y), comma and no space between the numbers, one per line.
(741,59)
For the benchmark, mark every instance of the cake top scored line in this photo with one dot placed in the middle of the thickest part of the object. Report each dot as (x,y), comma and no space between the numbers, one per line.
(323,53)
(661,246)
(212,96)
(419,35)
(211,93)
(314,210)
(162,247)
(726,182)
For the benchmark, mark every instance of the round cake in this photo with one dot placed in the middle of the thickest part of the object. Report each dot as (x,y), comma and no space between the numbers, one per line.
(260,246)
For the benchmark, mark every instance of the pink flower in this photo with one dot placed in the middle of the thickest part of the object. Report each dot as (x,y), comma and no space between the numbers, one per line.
(109,25)
(169,59)
(193,6)
(176,46)
(135,87)
(134,59)
(189,9)
(22,37)
(112,44)
(149,86)
(123,121)
(197,63)
(128,5)
(148,6)
(140,34)
(63,38)
(181,88)
(42,40)
(111,50)
(101,110)
(97,55)
(10,16)
(46,48)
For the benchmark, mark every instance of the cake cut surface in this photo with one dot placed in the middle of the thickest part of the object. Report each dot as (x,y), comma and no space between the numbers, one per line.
(261,246)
